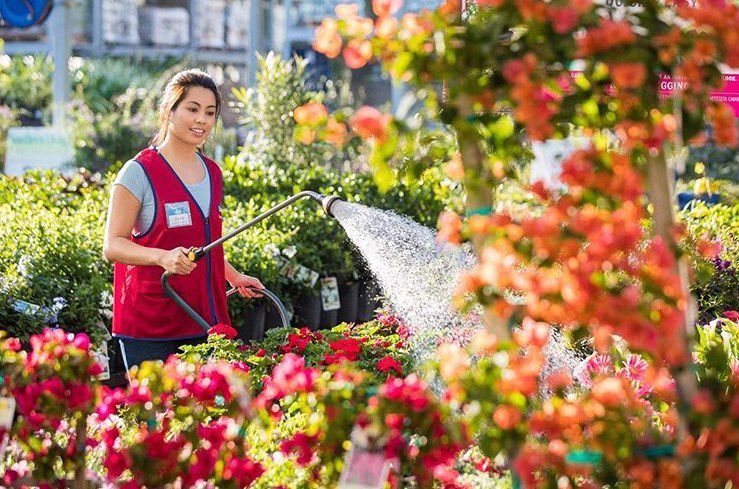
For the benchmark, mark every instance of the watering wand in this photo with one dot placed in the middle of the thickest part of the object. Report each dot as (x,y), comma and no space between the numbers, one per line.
(196,254)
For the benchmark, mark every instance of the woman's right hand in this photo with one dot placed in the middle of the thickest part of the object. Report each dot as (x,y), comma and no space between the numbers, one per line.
(176,261)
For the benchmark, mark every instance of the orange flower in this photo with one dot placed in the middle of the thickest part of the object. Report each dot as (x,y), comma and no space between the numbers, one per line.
(305,135)
(357,53)
(450,227)
(335,133)
(358,27)
(490,3)
(416,25)
(370,123)
(484,343)
(628,75)
(609,391)
(704,51)
(328,40)
(453,361)
(382,8)
(506,417)
(708,249)
(311,114)
(346,11)
(386,27)
(454,168)
(724,124)
(450,7)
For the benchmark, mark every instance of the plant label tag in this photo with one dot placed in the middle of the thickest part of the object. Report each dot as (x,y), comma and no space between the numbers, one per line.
(102,359)
(24,307)
(330,294)
(178,214)
(7,411)
(364,469)
(314,276)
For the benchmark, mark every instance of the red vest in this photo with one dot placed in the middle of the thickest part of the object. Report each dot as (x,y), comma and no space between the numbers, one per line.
(141,309)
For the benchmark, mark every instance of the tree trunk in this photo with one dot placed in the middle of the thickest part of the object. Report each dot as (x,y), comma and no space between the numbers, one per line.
(479,194)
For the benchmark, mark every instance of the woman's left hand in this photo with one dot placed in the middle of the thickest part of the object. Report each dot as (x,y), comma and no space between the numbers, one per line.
(245,284)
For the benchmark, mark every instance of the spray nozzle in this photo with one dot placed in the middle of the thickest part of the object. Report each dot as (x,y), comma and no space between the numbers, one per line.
(326,201)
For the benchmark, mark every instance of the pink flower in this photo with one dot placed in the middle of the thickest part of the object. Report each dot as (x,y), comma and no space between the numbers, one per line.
(732,316)
(242,470)
(202,467)
(224,330)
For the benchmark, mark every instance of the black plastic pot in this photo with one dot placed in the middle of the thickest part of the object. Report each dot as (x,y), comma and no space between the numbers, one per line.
(308,311)
(271,318)
(329,319)
(349,296)
(367,301)
(254,323)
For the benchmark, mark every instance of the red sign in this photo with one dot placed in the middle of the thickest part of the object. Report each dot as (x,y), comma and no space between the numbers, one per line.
(728,94)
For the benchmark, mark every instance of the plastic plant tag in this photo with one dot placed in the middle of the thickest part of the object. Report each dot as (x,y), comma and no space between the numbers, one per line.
(24,307)
(102,359)
(364,469)
(7,411)
(330,294)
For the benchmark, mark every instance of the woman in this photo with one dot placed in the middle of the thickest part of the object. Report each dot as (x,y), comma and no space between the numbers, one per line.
(163,202)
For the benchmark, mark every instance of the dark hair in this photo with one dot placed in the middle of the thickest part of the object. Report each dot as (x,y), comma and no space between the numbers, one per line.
(176,90)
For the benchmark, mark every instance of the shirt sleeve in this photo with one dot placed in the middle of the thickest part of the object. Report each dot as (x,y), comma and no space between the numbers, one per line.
(132,176)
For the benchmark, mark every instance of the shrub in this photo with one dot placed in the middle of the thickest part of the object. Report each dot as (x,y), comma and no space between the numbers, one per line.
(51,256)
(716,283)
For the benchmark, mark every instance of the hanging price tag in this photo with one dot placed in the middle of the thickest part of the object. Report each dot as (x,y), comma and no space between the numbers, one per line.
(364,469)
(330,294)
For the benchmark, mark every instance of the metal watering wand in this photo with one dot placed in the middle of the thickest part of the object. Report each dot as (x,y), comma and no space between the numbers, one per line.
(196,254)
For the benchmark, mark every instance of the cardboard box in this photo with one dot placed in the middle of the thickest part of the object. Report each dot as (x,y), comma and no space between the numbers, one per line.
(210,23)
(237,24)
(120,21)
(163,26)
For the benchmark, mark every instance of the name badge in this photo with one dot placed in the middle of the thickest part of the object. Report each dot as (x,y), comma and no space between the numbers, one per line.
(178,214)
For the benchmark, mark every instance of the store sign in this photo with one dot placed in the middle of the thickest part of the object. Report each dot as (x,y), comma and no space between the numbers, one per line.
(37,148)
(728,94)
(668,85)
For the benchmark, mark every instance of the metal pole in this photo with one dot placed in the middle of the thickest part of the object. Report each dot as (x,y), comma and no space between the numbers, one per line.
(96,36)
(255,37)
(61,50)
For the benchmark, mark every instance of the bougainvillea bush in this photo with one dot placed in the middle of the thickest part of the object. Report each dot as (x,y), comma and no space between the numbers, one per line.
(521,71)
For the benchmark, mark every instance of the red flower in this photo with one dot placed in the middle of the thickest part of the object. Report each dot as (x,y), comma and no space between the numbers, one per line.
(389,363)
(732,316)
(115,464)
(349,348)
(223,329)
